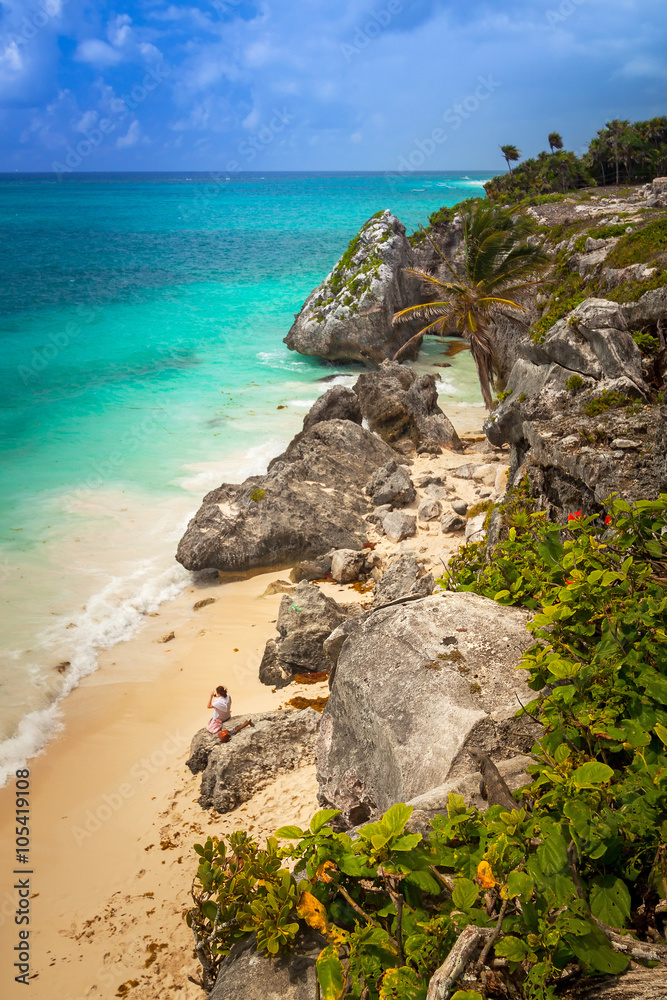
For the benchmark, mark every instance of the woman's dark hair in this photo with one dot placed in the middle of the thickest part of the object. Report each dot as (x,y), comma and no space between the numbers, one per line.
(222,691)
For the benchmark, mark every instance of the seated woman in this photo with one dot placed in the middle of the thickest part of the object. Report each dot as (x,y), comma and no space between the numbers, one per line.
(221,703)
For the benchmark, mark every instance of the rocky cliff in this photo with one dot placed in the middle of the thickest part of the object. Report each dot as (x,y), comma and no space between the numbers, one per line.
(348,317)
(583,402)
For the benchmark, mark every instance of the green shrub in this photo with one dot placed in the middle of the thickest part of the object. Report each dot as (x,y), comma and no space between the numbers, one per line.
(569,293)
(641,246)
(257,494)
(607,400)
(632,291)
(646,342)
(574,383)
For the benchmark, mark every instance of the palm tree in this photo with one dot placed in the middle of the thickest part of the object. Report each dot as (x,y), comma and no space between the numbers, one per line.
(616,130)
(511,154)
(498,261)
(555,141)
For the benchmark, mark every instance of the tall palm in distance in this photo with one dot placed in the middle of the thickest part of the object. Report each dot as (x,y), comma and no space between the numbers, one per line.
(616,131)
(555,141)
(498,262)
(511,154)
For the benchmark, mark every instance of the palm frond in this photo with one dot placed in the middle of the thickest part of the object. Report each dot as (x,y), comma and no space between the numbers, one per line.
(424,311)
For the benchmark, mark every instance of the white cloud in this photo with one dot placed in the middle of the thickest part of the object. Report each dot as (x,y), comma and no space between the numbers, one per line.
(119,31)
(97,53)
(644,66)
(131,137)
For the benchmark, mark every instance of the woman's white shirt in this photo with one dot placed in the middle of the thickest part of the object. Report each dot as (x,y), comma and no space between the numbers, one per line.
(222,707)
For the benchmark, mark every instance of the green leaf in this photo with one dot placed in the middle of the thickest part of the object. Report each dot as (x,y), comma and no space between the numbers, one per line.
(610,901)
(465,894)
(655,686)
(290,833)
(467,994)
(552,854)
(406,843)
(563,669)
(519,884)
(394,820)
(330,973)
(512,948)
(352,865)
(209,910)
(592,774)
(595,953)
(424,881)
(322,817)
(660,731)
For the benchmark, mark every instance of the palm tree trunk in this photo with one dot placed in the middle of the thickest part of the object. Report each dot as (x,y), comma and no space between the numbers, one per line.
(481,348)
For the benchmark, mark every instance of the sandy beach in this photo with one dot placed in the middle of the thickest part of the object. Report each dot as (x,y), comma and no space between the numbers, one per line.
(114,811)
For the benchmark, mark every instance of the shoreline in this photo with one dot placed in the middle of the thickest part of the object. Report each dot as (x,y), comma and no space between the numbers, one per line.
(113,810)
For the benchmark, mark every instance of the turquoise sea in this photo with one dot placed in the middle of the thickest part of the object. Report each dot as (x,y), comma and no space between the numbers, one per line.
(141,321)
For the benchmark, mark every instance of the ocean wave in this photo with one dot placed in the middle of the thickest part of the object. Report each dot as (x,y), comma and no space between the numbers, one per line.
(234,469)
(111,616)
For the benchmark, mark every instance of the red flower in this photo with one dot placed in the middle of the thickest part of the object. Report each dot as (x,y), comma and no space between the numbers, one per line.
(607,519)
(575,516)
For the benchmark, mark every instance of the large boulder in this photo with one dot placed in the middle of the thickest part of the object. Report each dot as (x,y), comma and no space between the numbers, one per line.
(402,407)
(349,316)
(338,403)
(310,500)
(305,619)
(276,743)
(415,684)
(247,974)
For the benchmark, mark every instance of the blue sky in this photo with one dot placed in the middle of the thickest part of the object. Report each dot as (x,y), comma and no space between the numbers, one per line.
(319,85)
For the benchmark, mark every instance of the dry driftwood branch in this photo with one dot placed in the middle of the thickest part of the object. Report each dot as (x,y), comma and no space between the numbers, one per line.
(444,978)
(640,984)
(493,937)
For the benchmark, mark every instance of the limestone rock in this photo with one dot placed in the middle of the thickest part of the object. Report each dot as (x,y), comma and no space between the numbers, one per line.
(434,801)
(459,506)
(338,403)
(391,485)
(311,569)
(347,564)
(429,510)
(277,743)
(310,500)
(415,684)
(398,525)
(247,974)
(475,530)
(349,316)
(305,619)
(466,471)
(451,522)
(404,576)
(403,408)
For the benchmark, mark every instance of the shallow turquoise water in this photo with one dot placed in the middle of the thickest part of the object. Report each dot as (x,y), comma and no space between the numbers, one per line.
(142,361)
